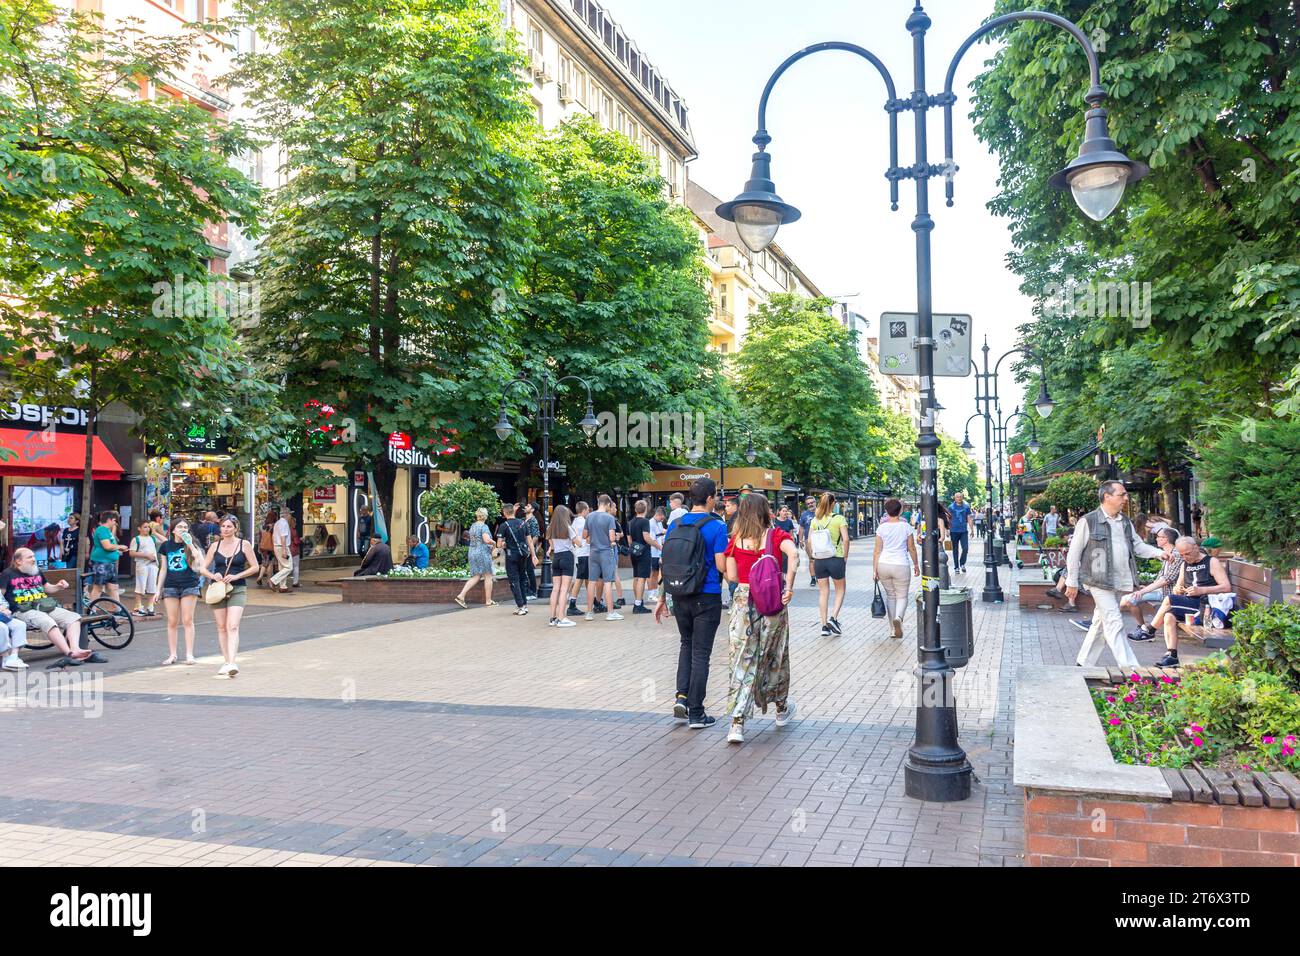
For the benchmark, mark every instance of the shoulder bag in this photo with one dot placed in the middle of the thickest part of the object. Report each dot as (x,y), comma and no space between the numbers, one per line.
(218,591)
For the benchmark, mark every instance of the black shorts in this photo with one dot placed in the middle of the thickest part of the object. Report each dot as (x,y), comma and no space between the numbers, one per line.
(654,564)
(641,566)
(581,573)
(562,564)
(829,568)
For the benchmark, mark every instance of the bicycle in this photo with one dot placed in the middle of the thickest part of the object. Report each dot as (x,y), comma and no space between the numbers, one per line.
(105,619)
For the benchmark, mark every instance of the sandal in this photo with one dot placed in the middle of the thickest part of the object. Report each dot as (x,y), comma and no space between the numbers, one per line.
(167,661)
(492,604)
(460,602)
(189,661)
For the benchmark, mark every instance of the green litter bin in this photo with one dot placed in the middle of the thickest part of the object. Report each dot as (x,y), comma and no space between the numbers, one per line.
(956,624)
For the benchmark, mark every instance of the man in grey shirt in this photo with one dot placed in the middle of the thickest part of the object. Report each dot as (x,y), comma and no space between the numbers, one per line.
(602,565)
(1103,556)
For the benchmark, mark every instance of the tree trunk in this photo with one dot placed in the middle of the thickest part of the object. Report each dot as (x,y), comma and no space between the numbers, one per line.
(385,473)
(1168,494)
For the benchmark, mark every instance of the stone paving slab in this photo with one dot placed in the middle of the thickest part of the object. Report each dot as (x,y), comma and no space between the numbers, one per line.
(478,738)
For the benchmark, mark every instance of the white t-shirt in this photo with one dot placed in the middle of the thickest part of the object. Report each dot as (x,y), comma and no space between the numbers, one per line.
(145,545)
(656,532)
(677,513)
(580,525)
(281,534)
(1050,521)
(893,537)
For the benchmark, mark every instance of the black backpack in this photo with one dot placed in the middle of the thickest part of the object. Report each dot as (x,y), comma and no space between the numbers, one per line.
(684,559)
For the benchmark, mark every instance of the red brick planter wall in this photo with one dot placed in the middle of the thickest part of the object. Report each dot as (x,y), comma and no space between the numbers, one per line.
(411,590)
(1078,831)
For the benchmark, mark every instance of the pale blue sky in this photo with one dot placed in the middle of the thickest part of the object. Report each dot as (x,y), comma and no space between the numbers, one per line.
(830,151)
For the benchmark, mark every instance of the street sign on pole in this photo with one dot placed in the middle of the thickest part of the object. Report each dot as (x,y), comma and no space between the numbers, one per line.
(952,344)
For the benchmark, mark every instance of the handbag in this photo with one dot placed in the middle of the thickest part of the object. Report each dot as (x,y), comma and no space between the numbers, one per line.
(218,591)
(878,603)
(46,605)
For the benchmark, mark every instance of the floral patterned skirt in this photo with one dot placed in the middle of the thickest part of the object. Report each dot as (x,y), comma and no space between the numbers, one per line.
(759,656)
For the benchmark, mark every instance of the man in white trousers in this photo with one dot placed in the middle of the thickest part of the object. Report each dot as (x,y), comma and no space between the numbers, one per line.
(1103,556)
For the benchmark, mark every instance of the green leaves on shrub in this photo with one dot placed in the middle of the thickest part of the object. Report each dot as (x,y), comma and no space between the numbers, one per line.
(1250,479)
(458,500)
(1268,640)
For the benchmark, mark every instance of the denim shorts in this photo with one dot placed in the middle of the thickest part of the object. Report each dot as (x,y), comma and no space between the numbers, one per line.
(180,592)
(103,572)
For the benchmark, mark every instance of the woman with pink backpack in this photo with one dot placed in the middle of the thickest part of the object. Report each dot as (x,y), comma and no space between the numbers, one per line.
(760,618)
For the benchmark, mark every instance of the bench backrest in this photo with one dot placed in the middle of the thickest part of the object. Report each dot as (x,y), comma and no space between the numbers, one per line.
(68,596)
(1254,584)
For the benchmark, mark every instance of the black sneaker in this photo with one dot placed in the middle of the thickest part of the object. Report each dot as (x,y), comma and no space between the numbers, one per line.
(573,608)
(95,658)
(826,630)
(1084,625)
(835,626)
(1169,660)
(1141,634)
(1054,593)
(619,603)
(700,723)
(679,708)
(600,608)
(641,609)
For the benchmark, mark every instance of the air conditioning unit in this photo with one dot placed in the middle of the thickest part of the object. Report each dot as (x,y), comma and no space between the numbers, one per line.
(537,66)
(565,92)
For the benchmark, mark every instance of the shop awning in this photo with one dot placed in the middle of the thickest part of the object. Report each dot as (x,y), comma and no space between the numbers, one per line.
(31,454)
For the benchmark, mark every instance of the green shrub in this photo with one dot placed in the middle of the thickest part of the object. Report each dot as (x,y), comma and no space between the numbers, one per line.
(1053,542)
(1268,640)
(1250,479)
(1211,696)
(449,559)
(1073,493)
(458,500)
(1039,503)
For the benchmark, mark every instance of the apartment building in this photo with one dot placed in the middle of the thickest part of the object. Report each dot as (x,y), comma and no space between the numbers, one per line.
(898,393)
(581,62)
(740,280)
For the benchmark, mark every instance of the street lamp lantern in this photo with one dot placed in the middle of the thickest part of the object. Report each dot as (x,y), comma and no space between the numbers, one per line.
(758,211)
(1044,402)
(750,454)
(695,454)
(1098,176)
(965,443)
(503,428)
(1034,445)
(589,424)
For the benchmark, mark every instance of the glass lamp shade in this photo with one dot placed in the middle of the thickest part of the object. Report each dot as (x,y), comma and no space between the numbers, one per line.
(1044,405)
(1097,189)
(757,224)
(503,428)
(966,445)
(1034,445)
(589,424)
(694,454)
(750,455)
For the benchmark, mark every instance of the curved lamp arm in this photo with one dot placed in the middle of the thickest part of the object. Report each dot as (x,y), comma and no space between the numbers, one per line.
(761,137)
(581,381)
(1094,97)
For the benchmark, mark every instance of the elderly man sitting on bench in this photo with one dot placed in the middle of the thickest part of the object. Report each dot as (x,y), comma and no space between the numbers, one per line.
(1201,575)
(27,592)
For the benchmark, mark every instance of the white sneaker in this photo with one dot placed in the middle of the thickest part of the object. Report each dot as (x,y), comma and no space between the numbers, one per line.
(589,616)
(13,663)
(223,670)
(565,622)
(234,669)
(613,616)
(736,735)
(784,717)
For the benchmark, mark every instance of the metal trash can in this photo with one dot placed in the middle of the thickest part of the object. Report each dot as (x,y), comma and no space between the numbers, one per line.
(999,552)
(956,624)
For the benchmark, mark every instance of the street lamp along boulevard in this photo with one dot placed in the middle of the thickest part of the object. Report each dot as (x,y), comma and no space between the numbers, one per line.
(936,768)
(546,399)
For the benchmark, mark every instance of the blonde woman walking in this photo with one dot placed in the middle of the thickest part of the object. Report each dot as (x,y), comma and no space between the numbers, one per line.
(759,644)
(828,544)
(559,535)
(231,560)
(480,559)
(895,550)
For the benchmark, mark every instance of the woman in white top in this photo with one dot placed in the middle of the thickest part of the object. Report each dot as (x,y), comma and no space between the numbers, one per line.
(144,554)
(560,541)
(895,550)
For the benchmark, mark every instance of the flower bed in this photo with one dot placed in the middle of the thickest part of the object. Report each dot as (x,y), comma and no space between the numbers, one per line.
(460,574)
(1211,716)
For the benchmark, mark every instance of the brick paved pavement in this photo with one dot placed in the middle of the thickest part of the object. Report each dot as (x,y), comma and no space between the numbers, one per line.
(453,738)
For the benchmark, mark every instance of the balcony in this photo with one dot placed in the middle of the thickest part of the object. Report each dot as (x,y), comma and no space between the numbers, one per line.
(722,324)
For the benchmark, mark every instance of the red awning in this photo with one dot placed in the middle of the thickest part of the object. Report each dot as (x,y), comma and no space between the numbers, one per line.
(30,454)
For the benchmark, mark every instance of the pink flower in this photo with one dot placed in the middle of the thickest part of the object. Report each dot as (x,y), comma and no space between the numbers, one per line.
(1166,679)
(1134,677)
(1110,698)
(1115,721)
(1196,728)
(1269,740)
(1130,698)
(1289,738)
(1287,750)
(1198,741)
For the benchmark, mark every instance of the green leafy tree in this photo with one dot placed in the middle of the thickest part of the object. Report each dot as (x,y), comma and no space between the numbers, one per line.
(613,292)
(1073,493)
(1206,92)
(103,201)
(458,500)
(391,254)
(892,461)
(801,370)
(1251,474)
(957,472)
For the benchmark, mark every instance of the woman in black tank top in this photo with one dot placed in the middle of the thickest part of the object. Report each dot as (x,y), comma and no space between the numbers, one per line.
(230,559)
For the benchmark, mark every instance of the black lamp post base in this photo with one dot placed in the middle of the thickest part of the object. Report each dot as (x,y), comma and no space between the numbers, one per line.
(544,586)
(993,596)
(937,783)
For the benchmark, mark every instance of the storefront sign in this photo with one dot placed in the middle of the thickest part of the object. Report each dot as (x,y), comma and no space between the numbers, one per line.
(327,493)
(763,479)
(409,457)
(400,441)
(201,438)
(1017,464)
(42,416)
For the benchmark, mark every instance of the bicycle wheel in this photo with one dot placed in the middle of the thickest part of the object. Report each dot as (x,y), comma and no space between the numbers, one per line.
(109,623)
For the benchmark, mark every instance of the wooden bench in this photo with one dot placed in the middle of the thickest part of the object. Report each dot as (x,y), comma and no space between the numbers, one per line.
(1253,584)
(1033,591)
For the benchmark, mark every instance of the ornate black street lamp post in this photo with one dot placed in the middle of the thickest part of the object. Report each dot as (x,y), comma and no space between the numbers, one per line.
(546,398)
(723,433)
(936,768)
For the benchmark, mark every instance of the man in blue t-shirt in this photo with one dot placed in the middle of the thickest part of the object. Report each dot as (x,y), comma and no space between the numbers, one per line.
(806,518)
(960,531)
(698,615)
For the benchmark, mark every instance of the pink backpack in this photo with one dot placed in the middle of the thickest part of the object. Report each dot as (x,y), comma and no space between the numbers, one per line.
(765,581)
